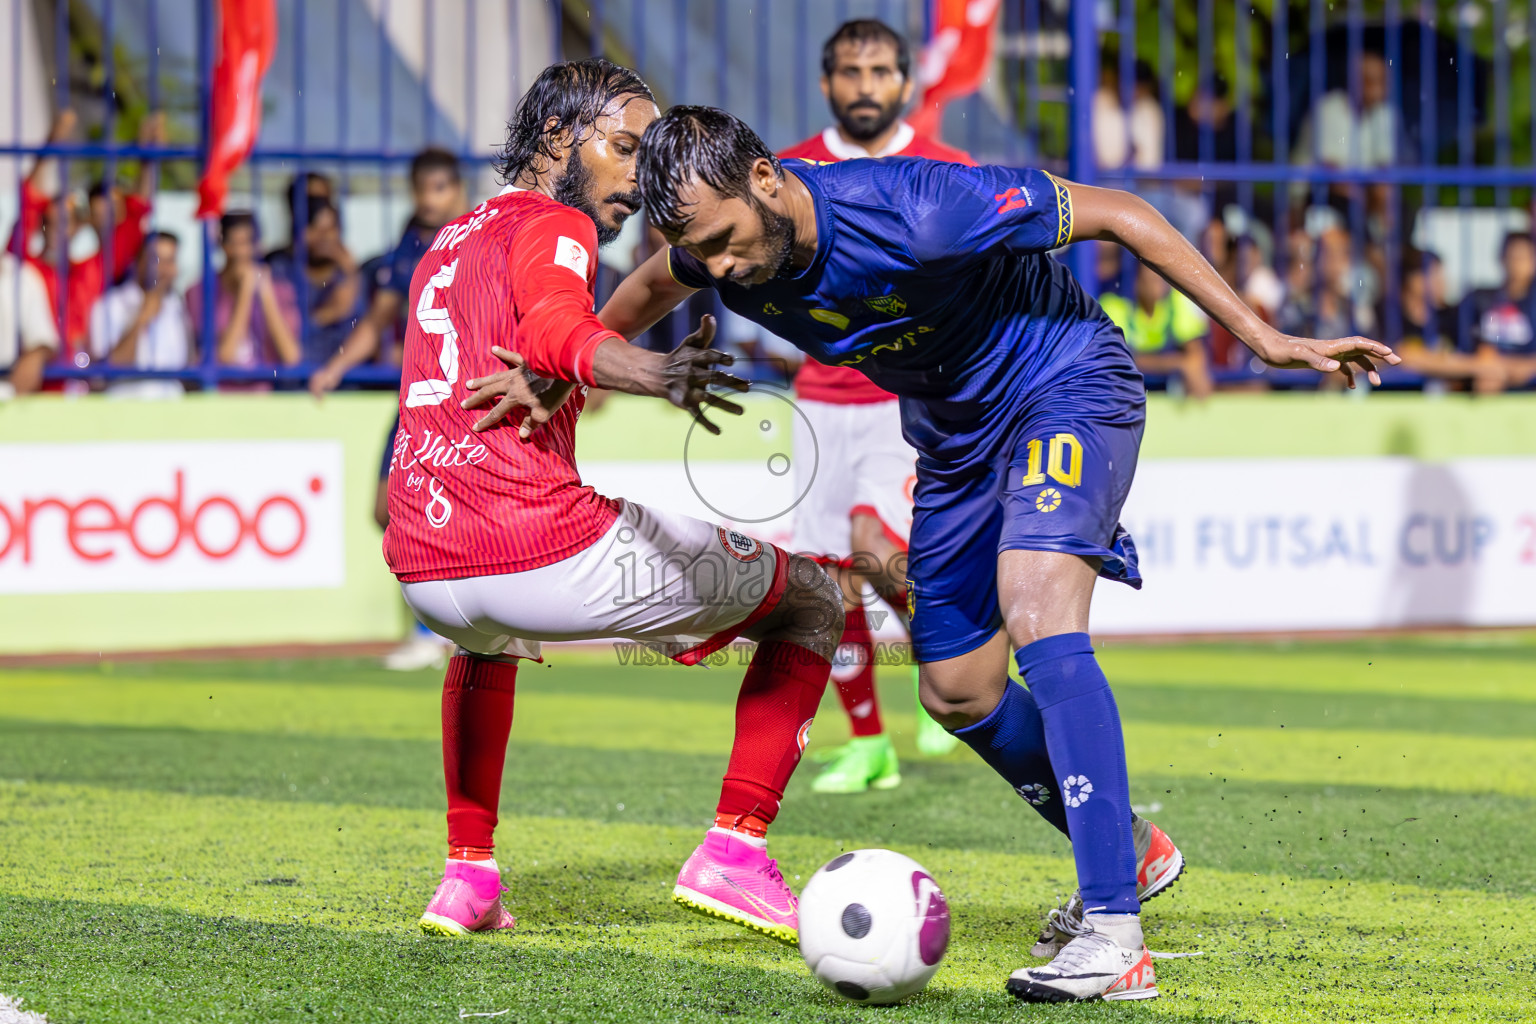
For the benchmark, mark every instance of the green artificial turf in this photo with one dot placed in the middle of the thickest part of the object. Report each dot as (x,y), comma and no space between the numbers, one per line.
(253,842)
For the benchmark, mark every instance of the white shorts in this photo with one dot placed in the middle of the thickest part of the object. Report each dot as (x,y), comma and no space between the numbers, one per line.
(862,465)
(680,584)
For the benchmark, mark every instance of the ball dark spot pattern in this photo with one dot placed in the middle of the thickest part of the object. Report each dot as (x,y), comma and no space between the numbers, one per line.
(838,862)
(856,920)
(853,990)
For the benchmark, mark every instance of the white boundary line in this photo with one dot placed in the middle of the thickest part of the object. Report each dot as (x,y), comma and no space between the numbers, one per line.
(12,1013)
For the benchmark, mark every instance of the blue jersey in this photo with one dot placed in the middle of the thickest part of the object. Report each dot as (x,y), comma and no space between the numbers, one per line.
(400,264)
(934,280)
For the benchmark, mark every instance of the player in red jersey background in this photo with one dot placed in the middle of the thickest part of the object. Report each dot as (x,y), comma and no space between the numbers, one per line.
(860,500)
(498,544)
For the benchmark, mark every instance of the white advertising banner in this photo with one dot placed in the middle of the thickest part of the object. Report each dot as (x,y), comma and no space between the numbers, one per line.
(1248,545)
(155,516)
(1321,544)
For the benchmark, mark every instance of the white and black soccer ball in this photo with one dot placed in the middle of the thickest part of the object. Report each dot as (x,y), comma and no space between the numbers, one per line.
(873,926)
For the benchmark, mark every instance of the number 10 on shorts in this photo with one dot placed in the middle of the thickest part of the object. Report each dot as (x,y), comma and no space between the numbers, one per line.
(1065,464)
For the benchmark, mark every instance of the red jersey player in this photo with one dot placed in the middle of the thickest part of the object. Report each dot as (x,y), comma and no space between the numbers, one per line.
(498,545)
(857,507)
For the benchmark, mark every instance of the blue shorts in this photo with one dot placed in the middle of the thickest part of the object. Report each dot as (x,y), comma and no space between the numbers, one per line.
(1058,486)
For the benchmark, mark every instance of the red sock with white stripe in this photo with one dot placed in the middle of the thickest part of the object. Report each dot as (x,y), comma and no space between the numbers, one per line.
(477,719)
(856,681)
(774,710)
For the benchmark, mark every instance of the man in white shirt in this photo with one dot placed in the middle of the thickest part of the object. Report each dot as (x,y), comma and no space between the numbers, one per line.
(28,335)
(142,323)
(1126,136)
(1339,134)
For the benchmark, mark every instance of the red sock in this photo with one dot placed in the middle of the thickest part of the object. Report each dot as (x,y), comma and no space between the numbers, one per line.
(477,718)
(856,683)
(778,700)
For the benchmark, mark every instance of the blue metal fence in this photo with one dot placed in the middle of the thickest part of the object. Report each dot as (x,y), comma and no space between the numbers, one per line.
(1236,85)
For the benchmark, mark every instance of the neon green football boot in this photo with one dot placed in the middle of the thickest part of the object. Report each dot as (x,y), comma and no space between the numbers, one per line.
(864,762)
(933,740)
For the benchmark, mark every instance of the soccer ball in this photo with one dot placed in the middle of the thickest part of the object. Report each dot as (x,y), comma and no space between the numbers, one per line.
(873,926)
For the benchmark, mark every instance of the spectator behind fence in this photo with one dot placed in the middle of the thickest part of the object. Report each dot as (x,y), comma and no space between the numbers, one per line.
(1164,330)
(1121,137)
(1503,319)
(1313,305)
(328,277)
(1204,130)
(1257,281)
(1328,293)
(1242,264)
(28,336)
(1428,344)
(116,217)
(142,323)
(303,189)
(1339,134)
(437,192)
(256,318)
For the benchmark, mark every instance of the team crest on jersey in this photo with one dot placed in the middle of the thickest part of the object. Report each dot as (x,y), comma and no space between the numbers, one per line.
(740,546)
(830,316)
(572,255)
(771,310)
(890,305)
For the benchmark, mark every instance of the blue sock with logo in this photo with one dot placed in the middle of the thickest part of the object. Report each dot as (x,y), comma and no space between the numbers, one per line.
(1087,749)
(1012,740)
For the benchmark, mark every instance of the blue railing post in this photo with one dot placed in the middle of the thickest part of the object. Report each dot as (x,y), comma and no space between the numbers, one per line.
(209,363)
(1083,75)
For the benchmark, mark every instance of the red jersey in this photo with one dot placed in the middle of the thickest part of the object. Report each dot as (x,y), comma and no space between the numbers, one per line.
(87,277)
(517,272)
(843,385)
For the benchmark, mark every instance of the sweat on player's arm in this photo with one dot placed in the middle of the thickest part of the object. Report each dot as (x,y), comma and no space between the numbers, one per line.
(1111,215)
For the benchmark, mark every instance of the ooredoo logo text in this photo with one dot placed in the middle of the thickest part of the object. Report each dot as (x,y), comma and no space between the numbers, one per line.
(174,517)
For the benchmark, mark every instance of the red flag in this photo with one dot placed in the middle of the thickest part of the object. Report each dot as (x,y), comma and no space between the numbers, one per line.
(955,60)
(248,38)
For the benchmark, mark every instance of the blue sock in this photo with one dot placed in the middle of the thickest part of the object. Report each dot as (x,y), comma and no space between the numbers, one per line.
(1082,730)
(1012,740)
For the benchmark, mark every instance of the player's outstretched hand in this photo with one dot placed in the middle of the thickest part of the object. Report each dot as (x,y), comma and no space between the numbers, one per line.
(517,388)
(690,371)
(1348,356)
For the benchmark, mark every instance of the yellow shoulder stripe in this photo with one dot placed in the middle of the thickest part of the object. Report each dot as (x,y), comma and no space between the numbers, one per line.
(1063,211)
(672,273)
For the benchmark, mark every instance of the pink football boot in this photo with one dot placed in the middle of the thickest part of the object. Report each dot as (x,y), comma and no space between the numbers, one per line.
(468,899)
(734,880)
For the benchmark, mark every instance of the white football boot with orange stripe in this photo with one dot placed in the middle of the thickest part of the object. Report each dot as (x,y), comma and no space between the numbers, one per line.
(1158,865)
(1106,960)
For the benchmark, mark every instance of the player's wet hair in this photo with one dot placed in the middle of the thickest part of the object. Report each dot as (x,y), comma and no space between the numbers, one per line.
(573,94)
(703,144)
(431,159)
(861,31)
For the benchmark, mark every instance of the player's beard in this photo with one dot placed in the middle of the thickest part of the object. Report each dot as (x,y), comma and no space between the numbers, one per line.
(862,129)
(574,189)
(779,236)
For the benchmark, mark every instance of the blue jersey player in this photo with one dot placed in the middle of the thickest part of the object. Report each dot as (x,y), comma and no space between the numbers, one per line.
(1026,410)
